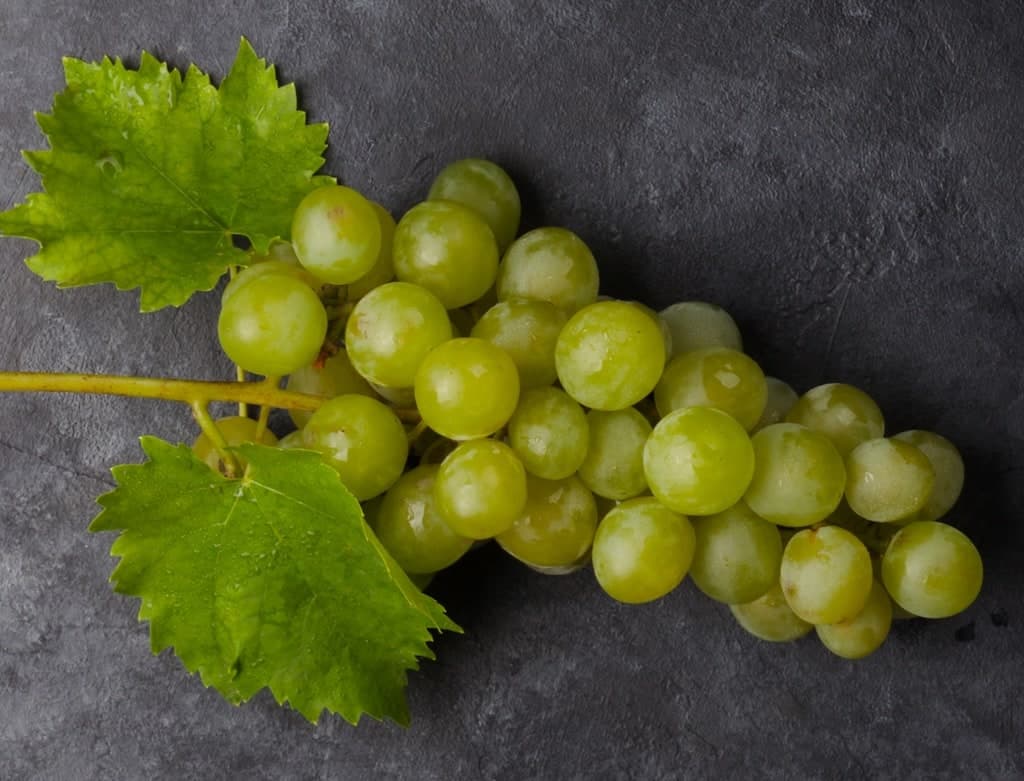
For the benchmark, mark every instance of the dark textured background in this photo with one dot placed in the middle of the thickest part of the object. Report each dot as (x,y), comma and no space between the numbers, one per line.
(846,180)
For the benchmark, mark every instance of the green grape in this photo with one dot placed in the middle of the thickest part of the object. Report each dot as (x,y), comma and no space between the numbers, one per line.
(949,472)
(480,489)
(383,269)
(421,580)
(609,355)
(614,463)
(770,618)
(695,325)
(392,329)
(863,634)
(714,377)
(826,575)
(799,475)
(236,430)
(466,388)
(401,398)
(528,332)
(336,234)
(737,556)
(779,402)
(549,264)
(642,550)
(335,377)
(556,528)
(932,570)
(448,249)
(666,332)
(412,530)
(291,441)
(269,266)
(549,432)
(486,189)
(887,480)
(362,439)
(846,415)
(698,461)
(272,325)
(438,450)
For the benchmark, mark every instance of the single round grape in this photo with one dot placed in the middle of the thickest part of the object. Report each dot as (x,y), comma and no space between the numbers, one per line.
(932,569)
(770,618)
(609,355)
(737,556)
(666,332)
(402,398)
(549,264)
(362,439)
(383,269)
(268,266)
(799,475)
(528,331)
(412,530)
(466,388)
(448,249)
(949,472)
(714,377)
(272,325)
(887,480)
(236,430)
(291,441)
(780,400)
(826,575)
(556,528)
(486,189)
(846,415)
(392,329)
(336,377)
(549,432)
(614,463)
(336,234)
(696,324)
(863,634)
(642,550)
(480,489)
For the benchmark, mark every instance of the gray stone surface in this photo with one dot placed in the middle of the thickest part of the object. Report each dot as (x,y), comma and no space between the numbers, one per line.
(844,176)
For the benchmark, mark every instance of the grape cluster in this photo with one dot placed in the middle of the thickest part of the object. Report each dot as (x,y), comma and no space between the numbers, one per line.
(480,388)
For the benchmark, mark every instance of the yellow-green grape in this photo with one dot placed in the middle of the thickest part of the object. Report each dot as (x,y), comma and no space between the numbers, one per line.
(770,618)
(549,432)
(466,388)
(485,188)
(887,480)
(549,264)
(698,461)
(666,332)
(401,398)
(932,570)
(863,634)
(846,415)
(614,464)
(556,528)
(714,377)
(738,555)
(696,324)
(609,355)
(448,249)
(528,331)
(362,439)
(291,441)
(236,430)
(480,489)
(392,329)
(642,550)
(826,575)
(412,530)
(269,266)
(799,475)
(949,472)
(383,269)
(336,234)
(780,400)
(335,377)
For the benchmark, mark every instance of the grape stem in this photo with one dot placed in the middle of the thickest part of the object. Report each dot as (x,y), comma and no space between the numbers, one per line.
(261,422)
(201,413)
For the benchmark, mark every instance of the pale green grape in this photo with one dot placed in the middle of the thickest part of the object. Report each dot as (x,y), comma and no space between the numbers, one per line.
(949,472)
(614,464)
(846,415)
(336,234)
(383,269)
(268,266)
(480,489)
(401,398)
(737,556)
(666,332)
(335,377)
(549,432)
(609,355)
(887,480)
(291,441)
(932,570)
(770,618)
(236,430)
(528,332)
(714,377)
(392,329)
(556,528)
(799,475)
(466,388)
(485,188)
(826,575)
(698,461)
(863,634)
(696,324)
(362,439)
(549,264)
(780,400)
(448,249)
(642,550)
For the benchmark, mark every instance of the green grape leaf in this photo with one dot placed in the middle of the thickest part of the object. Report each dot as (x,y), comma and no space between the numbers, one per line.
(269,581)
(151,174)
